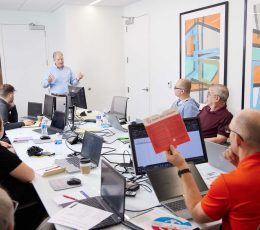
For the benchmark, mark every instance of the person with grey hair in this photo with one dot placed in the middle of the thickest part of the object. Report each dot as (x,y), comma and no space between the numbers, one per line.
(6,211)
(186,105)
(233,196)
(59,77)
(215,116)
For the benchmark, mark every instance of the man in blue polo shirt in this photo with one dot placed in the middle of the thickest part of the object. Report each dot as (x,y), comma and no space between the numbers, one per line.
(186,105)
(59,77)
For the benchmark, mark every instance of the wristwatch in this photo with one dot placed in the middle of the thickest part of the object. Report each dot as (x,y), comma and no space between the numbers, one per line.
(182,171)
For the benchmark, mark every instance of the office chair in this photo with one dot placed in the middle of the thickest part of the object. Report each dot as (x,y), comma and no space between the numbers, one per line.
(119,108)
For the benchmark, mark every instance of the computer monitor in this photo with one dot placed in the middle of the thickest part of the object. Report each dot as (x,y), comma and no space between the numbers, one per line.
(78,97)
(49,106)
(143,153)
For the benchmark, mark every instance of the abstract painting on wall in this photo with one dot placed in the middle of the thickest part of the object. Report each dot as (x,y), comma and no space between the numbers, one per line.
(203,46)
(251,62)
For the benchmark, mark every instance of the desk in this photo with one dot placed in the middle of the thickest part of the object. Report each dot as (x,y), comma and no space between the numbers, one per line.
(90,182)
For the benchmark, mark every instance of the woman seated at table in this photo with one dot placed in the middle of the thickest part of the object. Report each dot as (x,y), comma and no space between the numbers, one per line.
(16,178)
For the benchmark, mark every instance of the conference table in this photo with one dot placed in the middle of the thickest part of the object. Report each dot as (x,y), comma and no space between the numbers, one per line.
(90,182)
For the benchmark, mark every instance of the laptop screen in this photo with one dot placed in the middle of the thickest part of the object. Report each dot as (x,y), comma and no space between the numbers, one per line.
(91,147)
(144,155)
(34,109)
(113,188)
(58,120)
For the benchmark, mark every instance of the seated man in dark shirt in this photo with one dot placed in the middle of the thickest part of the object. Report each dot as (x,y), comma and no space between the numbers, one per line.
(215,117)
(16,178)
(8,110)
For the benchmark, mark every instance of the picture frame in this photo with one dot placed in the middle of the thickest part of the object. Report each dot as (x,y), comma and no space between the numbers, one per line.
(251,56)
(203,48)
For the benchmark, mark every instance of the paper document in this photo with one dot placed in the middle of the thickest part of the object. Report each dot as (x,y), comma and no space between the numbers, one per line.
(160,219)
(165,130)
(79,216)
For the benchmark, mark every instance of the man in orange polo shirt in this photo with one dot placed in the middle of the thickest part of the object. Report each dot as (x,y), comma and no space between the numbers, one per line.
(233,197)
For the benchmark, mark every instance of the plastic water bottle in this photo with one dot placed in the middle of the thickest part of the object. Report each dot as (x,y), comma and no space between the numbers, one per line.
(99,120)
(44,131)
(105,123)
(58,139)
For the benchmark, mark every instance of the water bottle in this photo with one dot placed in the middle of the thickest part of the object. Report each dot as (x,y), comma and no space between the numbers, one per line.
(44,131)
(58,139)
(99,120)
(105,123)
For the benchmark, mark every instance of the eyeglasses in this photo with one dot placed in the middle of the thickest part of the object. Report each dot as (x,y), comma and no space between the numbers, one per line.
(178,88)
(15,204)
(228,130)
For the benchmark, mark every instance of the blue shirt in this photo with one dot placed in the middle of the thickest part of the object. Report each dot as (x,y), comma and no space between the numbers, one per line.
(187,108)
(63,78)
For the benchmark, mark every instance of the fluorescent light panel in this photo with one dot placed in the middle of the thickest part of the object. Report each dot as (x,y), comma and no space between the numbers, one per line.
(95,2)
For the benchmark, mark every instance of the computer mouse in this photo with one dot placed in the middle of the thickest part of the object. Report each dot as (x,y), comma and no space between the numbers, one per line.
(73,181)
(45,137)
(82,114)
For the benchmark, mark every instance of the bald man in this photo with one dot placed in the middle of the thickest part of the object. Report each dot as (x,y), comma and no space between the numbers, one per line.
(59,77)
(232,197)
(186,105)
(6,211)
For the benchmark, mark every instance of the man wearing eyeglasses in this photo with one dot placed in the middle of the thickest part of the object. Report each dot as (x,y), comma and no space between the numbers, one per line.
(215,116)
(234,196)
(186,105)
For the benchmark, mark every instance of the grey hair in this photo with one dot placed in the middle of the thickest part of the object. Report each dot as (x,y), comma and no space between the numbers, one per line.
(221,91)
(57,53)
(6,211)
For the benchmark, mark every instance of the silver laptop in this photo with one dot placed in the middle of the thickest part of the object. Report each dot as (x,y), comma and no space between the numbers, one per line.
(114,122)
(168,188)
(91,149)
(216,158)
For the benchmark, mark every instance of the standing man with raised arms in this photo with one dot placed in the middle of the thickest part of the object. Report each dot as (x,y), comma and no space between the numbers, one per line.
(59,77)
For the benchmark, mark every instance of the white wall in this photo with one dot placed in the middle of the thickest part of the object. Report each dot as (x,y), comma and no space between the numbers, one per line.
(165,52)
(92,41)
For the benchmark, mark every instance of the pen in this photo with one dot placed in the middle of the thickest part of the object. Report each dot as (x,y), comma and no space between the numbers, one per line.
(69,197)
(52,168)
(84,194)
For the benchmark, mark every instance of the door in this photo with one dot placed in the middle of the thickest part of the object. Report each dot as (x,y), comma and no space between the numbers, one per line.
(24,62)
(137,67)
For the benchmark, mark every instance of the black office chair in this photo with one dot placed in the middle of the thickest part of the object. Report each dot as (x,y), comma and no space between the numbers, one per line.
(119,108)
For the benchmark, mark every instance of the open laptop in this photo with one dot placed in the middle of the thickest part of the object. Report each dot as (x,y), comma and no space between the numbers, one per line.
(143,153)
(91,149)
(168,188)
(34,110)
(114,122)
(112,197)
(216,158)
(57,123)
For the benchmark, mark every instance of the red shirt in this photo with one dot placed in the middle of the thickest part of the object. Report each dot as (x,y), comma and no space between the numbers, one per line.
(235,197)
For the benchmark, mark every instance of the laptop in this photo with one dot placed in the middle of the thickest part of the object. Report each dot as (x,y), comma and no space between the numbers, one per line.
(91,149)
(57,123)
(112,197)
(143,153)
(216,158)
(168,188)
(114,122)
(34,110)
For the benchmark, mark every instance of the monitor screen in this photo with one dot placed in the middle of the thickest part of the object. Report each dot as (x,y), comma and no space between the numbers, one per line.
(113,188)
(144,155)
(34,109)
(78,97)
(49,106)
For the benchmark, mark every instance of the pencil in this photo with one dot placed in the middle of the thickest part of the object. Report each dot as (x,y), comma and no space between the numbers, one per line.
(70,197)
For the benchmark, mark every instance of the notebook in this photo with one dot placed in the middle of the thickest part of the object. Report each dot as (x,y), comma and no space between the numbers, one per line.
(112,197)
(114,122)
(91,149)
(57,123)
(34,110)
(216,158)
(143,154)
(168,188)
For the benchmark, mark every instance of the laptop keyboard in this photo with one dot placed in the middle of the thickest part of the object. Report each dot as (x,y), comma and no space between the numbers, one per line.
(177,205)
(93,202)
(71,164)
(74,161)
